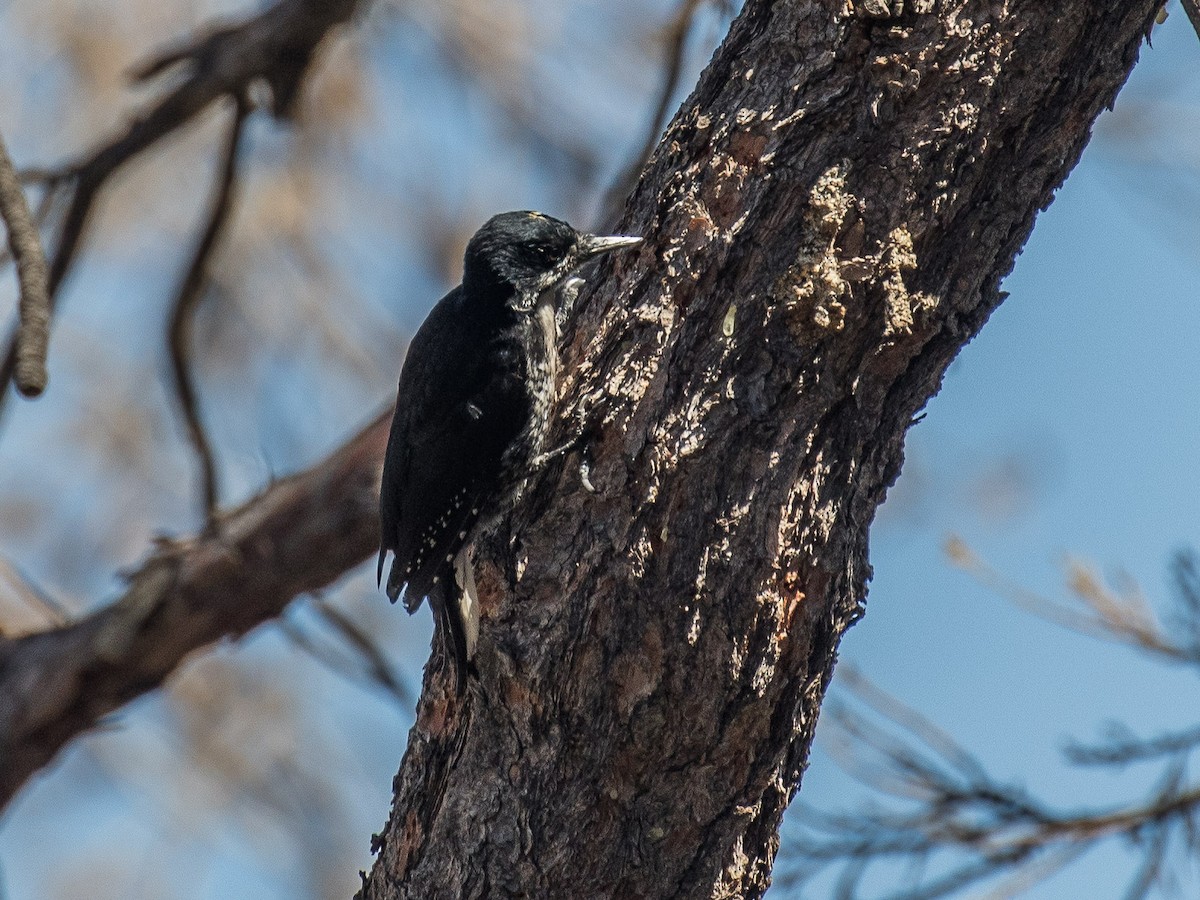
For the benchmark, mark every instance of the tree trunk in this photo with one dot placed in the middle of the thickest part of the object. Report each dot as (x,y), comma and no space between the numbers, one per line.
(828,220)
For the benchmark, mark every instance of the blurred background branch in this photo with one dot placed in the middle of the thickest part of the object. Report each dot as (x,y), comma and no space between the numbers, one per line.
(301,534)
(183,309)
(366,664)
(938,822)
(673,40)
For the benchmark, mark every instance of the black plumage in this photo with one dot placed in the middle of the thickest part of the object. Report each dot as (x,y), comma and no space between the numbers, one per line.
(472,411)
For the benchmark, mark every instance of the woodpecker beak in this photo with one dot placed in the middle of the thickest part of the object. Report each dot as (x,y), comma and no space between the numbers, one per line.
(593,245)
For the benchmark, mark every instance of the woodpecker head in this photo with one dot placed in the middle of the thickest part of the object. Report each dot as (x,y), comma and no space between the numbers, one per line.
(531,254)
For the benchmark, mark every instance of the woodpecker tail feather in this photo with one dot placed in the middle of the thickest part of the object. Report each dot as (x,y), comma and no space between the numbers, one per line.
(395,584)
(452,631)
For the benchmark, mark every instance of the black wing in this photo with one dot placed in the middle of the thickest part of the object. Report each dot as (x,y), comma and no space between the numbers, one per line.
(459,405)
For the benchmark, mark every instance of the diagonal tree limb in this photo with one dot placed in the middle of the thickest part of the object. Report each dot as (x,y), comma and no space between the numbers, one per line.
(275,46)
(33,332)
(191,290)
(298,536)
(362,661)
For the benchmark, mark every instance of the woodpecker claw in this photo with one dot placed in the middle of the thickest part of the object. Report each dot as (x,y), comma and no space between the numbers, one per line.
(568,293)
(585,475)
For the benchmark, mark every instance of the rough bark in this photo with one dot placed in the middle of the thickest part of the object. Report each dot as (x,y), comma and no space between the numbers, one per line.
(299,535)
(828,221)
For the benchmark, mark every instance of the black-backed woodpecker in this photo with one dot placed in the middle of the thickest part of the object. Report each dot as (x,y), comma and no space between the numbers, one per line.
(472,413)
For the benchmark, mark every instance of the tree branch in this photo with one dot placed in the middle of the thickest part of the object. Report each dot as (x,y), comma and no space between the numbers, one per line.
(953,808)
(362,661)
(943,803)
(33,332)
(297,536)
(1192,9)
(1099,611)
(379,670)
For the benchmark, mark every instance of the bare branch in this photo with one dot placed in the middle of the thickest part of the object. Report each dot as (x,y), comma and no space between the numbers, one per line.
(1121,748)
(946,805)
(275,46)
(179,330)
(379,672)
(910,720)
(33,332)
(296,537)
(1029,876)
(1184,616)
(37,609)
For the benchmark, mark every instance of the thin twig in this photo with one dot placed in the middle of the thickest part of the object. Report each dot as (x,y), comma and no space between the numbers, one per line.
(1120,748)
(1125,619)
(910,720)
(1034,873)
(956,808)
(51,188)
(378,667)
(33,332)
(339,664)
(40,607)
(675,40)
(191,289)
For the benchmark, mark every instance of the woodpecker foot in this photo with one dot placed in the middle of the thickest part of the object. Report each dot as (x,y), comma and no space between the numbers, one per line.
(581,441)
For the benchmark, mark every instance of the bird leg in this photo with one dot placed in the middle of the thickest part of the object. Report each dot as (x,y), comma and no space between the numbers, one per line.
(581,441)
